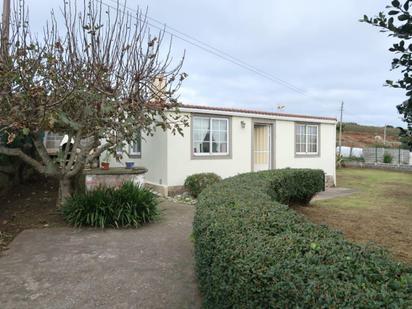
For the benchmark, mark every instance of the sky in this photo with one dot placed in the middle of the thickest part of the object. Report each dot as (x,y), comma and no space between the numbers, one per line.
(317,46)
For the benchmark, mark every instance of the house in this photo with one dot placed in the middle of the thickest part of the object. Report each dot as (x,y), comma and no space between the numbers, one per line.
(230,141)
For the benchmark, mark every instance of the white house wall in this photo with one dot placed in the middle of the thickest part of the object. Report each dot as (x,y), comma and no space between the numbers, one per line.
(153,157)
(285,149)
(169,161)
(180,163)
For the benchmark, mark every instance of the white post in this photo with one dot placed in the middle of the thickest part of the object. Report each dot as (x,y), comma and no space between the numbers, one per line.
(340,129)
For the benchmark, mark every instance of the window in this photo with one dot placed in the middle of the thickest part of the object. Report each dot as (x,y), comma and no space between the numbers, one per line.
(52,141)
(210,136)
(135,148)
(307,137)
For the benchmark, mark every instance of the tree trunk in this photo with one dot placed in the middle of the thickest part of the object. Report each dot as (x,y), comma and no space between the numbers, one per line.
(65,190)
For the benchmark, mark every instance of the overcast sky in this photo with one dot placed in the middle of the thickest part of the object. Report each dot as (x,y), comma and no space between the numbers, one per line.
(318,46)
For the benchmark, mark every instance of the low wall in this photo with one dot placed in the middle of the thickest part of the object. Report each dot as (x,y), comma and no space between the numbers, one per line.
(113,177)
(381,166)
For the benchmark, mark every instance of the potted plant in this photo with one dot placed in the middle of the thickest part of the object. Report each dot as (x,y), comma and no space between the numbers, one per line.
(105,165)
(129,165)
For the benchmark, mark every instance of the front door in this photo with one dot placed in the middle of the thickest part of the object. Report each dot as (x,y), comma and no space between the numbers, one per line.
(262,147)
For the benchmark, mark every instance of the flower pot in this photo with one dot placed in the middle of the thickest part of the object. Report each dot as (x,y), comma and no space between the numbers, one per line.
(105,165)
(129,165)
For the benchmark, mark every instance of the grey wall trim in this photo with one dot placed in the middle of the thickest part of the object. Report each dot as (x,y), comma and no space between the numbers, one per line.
(135,156)
(211,157)
(272,123)
(319,140)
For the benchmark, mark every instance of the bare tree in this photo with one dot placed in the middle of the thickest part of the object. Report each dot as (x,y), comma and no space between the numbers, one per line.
(91,77)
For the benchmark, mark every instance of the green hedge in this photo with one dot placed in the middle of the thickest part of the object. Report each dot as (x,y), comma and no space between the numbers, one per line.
(196,183)
(291,186)
(253,252)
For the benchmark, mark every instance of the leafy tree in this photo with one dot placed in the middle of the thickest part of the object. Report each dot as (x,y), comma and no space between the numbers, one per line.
(397,22)
(97,76)
(406,138)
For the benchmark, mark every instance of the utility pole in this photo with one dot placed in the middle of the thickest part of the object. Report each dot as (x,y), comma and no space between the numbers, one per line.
(384,136)
(340,129)
(5,27)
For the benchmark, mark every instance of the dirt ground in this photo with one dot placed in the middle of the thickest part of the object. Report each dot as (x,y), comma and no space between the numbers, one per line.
(381,212)
(31,205)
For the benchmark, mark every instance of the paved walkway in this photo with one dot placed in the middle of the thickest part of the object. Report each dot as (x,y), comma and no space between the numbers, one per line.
(331,193)
(151,267)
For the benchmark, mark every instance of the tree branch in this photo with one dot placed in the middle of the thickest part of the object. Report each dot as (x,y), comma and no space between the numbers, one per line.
(7,169)
(42,151)
(15,152)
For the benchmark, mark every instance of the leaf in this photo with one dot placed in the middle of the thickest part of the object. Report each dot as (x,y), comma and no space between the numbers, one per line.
(396,3)
(393,12)
(403,17)
(26,131)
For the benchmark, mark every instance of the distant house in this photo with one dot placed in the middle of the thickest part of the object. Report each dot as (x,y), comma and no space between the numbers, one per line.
(230,141)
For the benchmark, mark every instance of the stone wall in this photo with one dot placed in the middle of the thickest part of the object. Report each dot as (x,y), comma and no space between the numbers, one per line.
(329,181)
(382,166)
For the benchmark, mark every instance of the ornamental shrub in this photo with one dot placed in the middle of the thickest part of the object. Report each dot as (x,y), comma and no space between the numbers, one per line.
(196,183)
(253,252)
(291,186)
(387,158)
(128,206)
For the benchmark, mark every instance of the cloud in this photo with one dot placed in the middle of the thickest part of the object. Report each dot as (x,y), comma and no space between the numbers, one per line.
(319,46)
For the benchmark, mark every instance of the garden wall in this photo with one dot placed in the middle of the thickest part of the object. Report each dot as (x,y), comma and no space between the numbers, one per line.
(380,166)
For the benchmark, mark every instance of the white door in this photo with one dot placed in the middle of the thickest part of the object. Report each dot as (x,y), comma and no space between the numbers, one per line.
(262,147)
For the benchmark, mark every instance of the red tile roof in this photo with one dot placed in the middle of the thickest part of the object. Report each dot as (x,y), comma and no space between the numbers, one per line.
(249,111)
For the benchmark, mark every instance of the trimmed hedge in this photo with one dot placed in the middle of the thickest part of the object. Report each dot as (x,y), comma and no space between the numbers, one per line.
(253,252)
(296,186)
(196,183)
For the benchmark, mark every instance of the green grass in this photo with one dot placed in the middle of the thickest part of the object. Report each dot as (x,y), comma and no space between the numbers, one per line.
(377,188)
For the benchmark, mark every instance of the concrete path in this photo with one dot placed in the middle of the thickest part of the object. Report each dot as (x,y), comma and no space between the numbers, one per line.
(331,193)
(151,267)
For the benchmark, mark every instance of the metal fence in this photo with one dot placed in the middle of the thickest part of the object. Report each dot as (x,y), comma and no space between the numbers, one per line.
(376,155)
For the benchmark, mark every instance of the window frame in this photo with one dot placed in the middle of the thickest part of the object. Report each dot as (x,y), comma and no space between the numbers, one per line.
(306,153)
(211,154)
(132,153)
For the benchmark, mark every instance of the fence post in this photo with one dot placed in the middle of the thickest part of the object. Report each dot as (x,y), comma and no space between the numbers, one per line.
(376,154)
(399,156)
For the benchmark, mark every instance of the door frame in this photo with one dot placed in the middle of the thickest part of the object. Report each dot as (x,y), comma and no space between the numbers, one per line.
(272,125)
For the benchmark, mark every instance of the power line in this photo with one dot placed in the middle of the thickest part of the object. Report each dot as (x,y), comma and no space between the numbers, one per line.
(209,48)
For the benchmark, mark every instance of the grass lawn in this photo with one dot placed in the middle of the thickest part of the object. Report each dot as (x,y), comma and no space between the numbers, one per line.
(380,212)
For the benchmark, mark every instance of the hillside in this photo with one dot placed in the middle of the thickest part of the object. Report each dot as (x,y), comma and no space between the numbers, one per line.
(355,135)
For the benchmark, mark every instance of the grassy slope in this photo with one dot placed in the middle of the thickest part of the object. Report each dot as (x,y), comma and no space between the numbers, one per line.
(355,135)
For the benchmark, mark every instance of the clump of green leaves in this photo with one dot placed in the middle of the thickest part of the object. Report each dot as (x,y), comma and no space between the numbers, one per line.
(397,22)
(253,252)
(387,158)
(128,206)
(196,183)
(296,186)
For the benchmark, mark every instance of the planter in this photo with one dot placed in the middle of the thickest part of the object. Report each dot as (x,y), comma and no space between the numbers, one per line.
(105,165)
(129,165)
(114,177)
